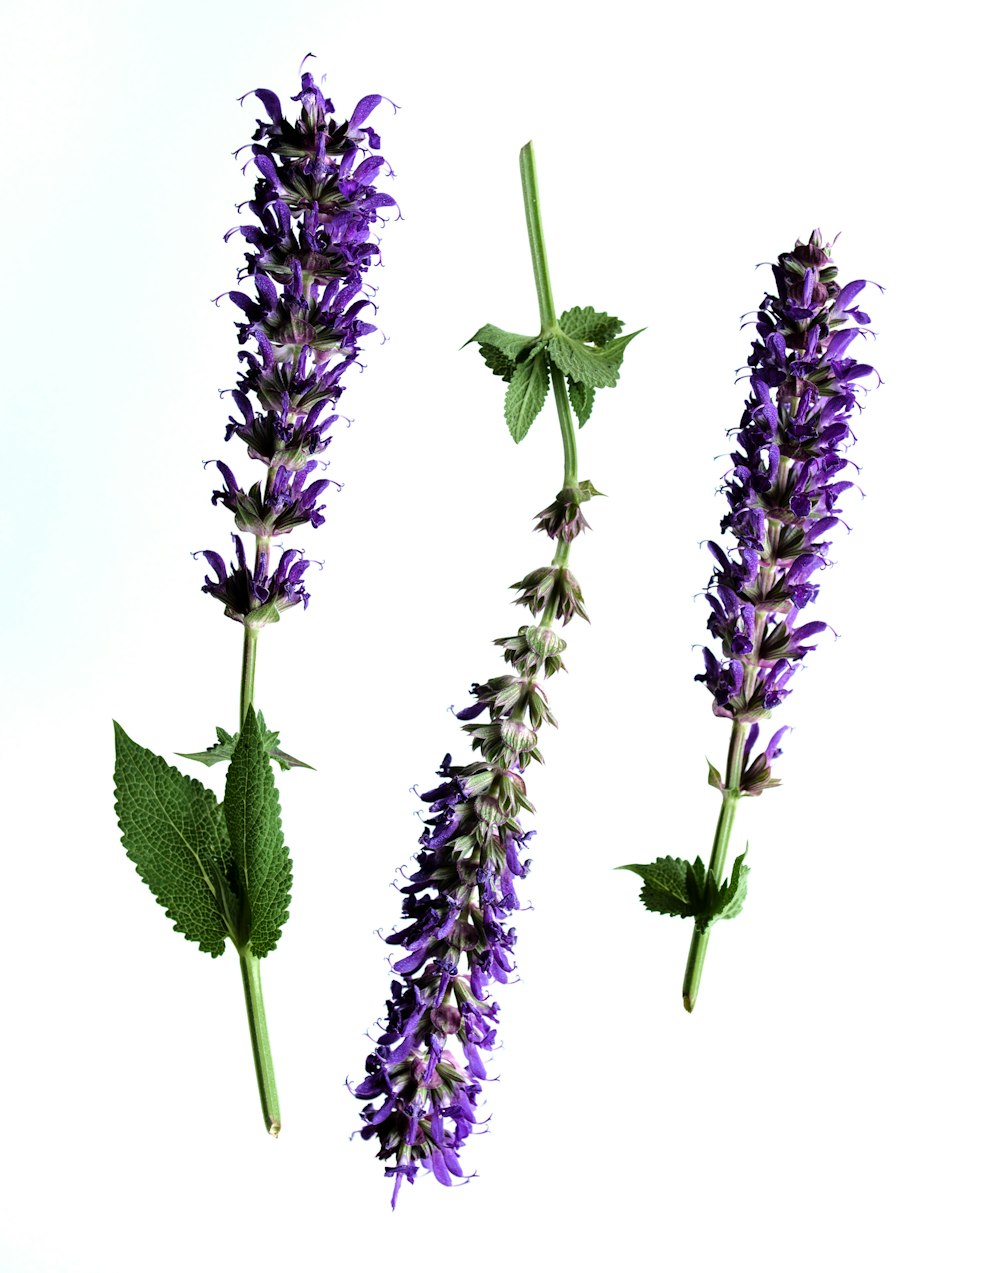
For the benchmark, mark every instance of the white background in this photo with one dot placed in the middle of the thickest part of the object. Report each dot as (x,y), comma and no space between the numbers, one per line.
(831,1104)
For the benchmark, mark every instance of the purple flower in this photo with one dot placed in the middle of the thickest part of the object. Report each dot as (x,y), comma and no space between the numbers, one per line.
(783,491)
(288,502)
(256,597)
(425,1075)
(315,205)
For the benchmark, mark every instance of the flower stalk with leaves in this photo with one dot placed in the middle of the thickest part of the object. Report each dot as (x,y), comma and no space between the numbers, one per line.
(783,492)
(222,870)
(425,1075)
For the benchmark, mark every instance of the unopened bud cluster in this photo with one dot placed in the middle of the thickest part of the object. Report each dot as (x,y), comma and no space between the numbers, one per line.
(563,518)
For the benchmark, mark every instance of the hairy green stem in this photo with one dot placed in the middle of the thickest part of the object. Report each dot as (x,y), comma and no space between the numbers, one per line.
(566,427)
(547,317)
(249,670)
(253,994)
(264,1066)
(539,261)
(717,863)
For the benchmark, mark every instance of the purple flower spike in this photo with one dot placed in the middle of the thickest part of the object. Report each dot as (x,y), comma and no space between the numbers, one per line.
(301,321)
(782,493)
(426,1073)
(428,1065)
(783,489)
(431,1059)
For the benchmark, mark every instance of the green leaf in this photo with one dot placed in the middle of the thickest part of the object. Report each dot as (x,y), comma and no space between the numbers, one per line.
(260,857)
(576,361)
(582,401)
(733,893)
(497,362)
(714,777)
(512,344)
(223,749)
(587,324)
(595,368)
(526,395)
(671,886)
(173,830)
(286,762)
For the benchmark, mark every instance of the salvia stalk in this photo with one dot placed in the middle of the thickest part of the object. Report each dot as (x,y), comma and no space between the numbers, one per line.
(221,869)
(783,491)
(425,1075)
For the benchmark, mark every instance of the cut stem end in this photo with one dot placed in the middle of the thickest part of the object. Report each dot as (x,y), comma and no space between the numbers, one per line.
(260,1043)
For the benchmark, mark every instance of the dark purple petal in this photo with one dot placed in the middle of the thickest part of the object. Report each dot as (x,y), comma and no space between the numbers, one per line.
(363,109)
(266,166)
(271,103)
(848,292)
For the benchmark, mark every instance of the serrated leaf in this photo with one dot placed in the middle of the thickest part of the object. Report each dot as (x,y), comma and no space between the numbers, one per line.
(698,877)
(497,362)
(173,830)
(581,400)
(733,893)
(260,856)
(211,756)
(596,368)
(526,396)
(286,762)
(670,886)
(223,749)
(512,344)
(576,361)
(588,324)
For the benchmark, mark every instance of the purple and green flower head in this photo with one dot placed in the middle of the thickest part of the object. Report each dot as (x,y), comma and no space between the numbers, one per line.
(316,205)
(426,1075)
(789,471)
(221,869)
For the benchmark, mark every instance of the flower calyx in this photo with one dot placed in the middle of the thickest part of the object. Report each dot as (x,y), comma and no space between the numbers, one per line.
(532,650)
(563,518)
(507,695)
(256,597)
(554,587)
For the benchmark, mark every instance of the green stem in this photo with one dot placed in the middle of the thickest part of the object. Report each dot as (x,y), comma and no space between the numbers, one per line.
(249,670)
(264,1066)
(547,308)
(539,261)
(565,427)
(717,862)
(253,993)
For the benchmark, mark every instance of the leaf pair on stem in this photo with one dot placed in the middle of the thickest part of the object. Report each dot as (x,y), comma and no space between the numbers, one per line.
(584,345)
(673,886)
(219,869)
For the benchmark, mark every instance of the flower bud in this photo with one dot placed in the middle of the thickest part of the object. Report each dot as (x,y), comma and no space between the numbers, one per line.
(446,1018)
